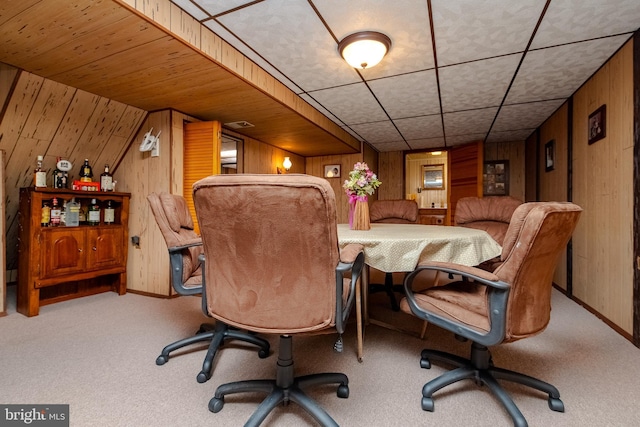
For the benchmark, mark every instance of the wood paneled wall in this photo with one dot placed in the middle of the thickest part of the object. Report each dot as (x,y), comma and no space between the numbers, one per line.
(315,166)
(40,116)
(391,173)
(514,152)
(603,185)
(3,242)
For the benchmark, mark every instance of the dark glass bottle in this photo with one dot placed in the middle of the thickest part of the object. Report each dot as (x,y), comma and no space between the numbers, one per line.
(109,213)
(86,173)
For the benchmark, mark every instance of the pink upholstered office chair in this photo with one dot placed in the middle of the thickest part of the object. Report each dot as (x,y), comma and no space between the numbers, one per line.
(185,249)
(491,214)
(491,308)
(273,266)
(392,212)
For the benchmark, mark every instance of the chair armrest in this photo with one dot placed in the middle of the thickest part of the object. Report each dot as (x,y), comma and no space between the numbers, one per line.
(498,295)
(186,245)
(351,261)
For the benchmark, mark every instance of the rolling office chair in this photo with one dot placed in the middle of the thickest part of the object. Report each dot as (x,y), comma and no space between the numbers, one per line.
(491,214)
(392,212)
(272,265)
(490,308)
(185,249)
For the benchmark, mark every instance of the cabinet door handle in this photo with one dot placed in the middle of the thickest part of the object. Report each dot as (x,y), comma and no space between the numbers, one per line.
(94,248)
(79,249)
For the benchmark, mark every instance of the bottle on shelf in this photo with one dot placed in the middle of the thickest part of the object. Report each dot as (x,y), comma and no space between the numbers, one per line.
(57,177)
(86,172)
(72,217)
(55,212)
(82,214)
(45,217)
(109,213)
(63,213)
(39,174)
(106,180)
(94,213)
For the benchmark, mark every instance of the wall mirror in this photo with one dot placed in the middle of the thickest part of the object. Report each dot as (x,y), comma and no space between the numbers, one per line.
(433,177)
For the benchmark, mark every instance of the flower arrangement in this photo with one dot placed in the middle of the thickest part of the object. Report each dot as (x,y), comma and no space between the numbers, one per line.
(362,182)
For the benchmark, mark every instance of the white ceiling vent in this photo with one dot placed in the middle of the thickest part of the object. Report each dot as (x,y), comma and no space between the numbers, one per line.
(239,125)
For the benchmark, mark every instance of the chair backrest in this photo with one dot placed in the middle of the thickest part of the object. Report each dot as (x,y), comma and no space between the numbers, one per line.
(176,225)
(394,211)
(271,251)
(491,214)
(537,237)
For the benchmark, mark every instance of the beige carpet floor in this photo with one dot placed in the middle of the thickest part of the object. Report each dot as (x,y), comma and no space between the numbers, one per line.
(98,353)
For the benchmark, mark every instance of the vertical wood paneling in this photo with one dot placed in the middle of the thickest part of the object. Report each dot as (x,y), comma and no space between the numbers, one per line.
(602,243)
(514,152)
(42,117)
(531,168)
(140,174)
(315,167)
(391,168)
(465,169)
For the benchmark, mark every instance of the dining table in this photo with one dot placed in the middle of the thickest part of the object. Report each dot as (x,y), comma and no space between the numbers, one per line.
(401,247)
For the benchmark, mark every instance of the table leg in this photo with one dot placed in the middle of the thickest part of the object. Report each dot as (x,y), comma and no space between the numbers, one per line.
(359,326)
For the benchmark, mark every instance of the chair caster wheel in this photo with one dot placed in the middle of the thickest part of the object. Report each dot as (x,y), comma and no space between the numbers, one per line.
(263,354)
(425,364)
(556,404)
(427,404)
(215,404)
(343,391)
(203,377)
(161,360)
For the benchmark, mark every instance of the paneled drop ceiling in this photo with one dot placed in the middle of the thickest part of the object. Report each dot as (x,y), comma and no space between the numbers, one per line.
(458,70)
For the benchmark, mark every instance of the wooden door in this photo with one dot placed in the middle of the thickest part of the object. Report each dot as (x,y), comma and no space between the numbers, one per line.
(104,247)
(465,174)
(62,251)
(201,142)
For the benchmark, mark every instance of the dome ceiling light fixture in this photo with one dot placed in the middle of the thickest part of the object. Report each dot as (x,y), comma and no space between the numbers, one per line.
(364,49)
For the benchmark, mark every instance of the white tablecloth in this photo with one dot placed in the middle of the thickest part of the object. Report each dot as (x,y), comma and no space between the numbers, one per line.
(400,247)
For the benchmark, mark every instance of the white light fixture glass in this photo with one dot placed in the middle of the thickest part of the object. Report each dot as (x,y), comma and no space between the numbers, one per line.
(364,49)
(287,163)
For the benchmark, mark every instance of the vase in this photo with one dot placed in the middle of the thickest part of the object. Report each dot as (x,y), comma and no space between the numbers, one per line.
(359,215)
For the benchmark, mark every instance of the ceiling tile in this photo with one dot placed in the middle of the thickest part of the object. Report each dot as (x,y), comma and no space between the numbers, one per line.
(467,30)
(352,103)
(421,144)
(568,21)
(452,141)
(408,95)
(510,135)
(525,116)
(420,127)
(476,84)
(378,132)
(469,122)
(557,72)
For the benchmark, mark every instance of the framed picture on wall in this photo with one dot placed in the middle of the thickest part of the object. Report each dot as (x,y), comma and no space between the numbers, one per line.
(495,178)
(550,155)
(332,171)
(597,124)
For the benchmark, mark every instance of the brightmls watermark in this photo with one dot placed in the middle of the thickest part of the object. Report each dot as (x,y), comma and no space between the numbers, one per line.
(34,415)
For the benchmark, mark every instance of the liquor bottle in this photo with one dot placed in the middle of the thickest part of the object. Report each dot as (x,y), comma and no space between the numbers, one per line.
(39,174)
(63,213)
(57,176)
(106,180)
(45,216)
(72,217)
(55,213)
(94,213)
(82,215)
(109,213)
(86,173)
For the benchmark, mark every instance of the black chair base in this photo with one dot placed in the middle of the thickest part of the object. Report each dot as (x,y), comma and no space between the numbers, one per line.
(284,389)
(216,333)
(480,369)
(389,288)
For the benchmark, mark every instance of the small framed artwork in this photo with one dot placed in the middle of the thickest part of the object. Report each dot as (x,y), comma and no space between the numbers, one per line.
(433,177)
(495,178)
(598,124)
(550,155)
(332,171)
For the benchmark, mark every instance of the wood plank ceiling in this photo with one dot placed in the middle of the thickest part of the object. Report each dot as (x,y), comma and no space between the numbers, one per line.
(107,48)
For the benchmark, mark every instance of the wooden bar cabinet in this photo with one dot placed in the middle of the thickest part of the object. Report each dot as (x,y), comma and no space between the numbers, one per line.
(64,262)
